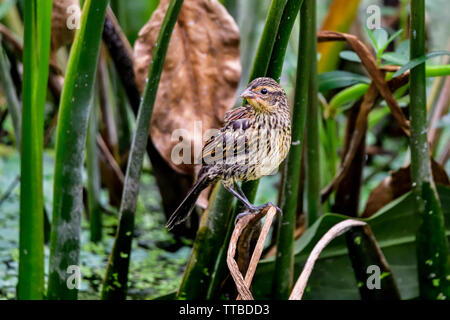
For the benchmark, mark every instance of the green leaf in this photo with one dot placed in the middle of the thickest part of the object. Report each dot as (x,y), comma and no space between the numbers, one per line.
(394,58)
(394,227)
(349,94)
(350,56)
(437,70)
(385,45)
(381,39)
(400,56)
(338,79)
(373,40)
(417,61)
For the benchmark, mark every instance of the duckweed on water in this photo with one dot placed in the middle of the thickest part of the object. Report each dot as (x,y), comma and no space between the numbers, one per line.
(153,271)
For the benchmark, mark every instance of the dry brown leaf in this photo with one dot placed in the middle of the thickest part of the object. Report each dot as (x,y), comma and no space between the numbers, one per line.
(62,14)
(200,75)
(396,185)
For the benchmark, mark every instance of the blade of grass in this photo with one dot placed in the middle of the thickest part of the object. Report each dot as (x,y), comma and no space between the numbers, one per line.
(432,246)
(37,19)
(284,264)
(414,62)
(71,134)
(116,277)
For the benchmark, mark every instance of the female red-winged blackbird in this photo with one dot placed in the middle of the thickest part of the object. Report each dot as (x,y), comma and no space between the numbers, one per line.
(253,142)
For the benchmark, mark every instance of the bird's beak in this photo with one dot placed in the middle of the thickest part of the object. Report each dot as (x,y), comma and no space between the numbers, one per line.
(248,94)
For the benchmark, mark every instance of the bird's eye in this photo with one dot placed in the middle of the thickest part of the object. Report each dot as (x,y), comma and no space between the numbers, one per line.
(264,91)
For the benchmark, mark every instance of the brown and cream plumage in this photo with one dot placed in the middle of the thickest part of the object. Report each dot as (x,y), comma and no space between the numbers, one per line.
(253,142)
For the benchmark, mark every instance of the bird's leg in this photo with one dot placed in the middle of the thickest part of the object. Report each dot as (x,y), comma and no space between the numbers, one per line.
(241,197)
(269,204)
(239,189)
(255,208)
(250,207)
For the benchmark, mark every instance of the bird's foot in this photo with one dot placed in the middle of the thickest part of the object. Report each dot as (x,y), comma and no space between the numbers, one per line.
(241,215)
(254,210)
(268,204)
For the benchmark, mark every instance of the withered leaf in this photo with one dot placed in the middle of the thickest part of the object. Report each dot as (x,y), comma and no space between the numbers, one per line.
(369,62)
(397,184)
(200,75)
(64,22)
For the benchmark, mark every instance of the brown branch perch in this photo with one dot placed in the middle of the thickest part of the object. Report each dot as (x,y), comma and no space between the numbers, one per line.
(242,284)
(331,234)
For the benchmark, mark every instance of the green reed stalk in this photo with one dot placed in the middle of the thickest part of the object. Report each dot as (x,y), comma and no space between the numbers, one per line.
(313,115)
(431,242)
(74,111)
(93,177)
(284,264)
(115,282)
(36,53)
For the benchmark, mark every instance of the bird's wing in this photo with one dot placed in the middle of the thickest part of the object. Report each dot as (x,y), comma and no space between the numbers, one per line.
(238,113)
(231,139)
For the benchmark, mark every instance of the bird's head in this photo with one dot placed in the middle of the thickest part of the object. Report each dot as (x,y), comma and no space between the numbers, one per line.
(265,95)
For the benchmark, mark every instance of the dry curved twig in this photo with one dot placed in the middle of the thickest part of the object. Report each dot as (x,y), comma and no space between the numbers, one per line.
(331,234)
(243,285)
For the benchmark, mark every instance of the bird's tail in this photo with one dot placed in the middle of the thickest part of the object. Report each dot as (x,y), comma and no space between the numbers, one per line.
(187,205)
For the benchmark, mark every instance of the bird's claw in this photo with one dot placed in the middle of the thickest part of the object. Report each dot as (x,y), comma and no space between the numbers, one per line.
(241,215)
(255,210)
(269,204)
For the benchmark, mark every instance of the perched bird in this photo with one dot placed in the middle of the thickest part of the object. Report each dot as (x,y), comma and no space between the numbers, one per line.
(253,142)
